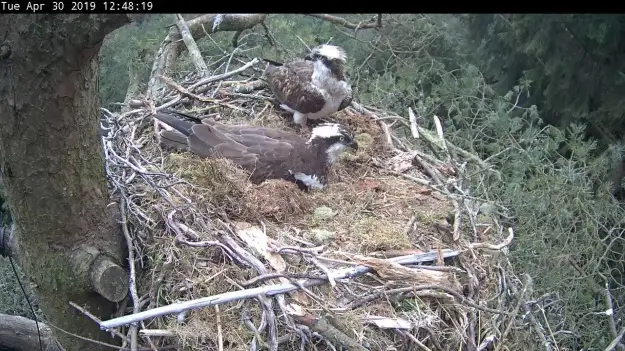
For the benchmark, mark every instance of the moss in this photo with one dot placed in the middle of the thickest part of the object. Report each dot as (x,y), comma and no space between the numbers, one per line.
(321,215)
(379,234)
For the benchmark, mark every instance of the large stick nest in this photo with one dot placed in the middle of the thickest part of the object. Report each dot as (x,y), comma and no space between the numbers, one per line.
(199,228)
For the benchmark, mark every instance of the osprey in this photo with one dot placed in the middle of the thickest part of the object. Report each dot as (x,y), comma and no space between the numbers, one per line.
(314,87)
(266,153)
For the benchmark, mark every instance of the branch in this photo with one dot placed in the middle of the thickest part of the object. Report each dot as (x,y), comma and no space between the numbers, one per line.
(131,278)
(345,23)
(20,333)
(505,243)
(194,51)
(324,327)
(268,290)
(616,341)
(172,45)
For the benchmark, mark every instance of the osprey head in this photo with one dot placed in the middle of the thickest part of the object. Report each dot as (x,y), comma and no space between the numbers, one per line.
(327,53)
(333,138)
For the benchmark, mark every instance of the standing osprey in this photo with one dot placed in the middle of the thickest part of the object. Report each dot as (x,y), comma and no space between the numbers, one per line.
(314,87)
(266,153)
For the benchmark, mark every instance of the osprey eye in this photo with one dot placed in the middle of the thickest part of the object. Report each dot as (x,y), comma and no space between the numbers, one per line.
(342,138)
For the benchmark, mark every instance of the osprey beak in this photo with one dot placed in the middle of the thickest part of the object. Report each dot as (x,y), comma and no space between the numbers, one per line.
(308,57)
(353,145)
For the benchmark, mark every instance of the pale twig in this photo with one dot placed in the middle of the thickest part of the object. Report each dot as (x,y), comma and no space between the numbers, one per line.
(131,262)
(610,313)
(223,75)
(325,270)
(616,341)
(503,244)
(462,299)
(303,42)
(189,42)
(220,337)
(413,124)
(157,333)
(345,23)
(97,320)
(268,290)
(415,340)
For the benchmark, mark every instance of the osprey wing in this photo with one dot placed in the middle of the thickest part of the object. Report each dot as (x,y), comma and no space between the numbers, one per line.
(274,158)
(174,139)
(291,84)
(233,131)
(348,99)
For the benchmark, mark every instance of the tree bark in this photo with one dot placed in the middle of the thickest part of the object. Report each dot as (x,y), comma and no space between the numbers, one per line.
(20,333)
(51,164)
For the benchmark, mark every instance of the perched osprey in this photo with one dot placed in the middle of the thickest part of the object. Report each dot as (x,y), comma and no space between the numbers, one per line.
(314,87)
(266,153)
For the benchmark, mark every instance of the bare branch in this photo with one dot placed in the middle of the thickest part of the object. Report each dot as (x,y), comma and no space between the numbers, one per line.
(345,23)
(194,51)
(268,290)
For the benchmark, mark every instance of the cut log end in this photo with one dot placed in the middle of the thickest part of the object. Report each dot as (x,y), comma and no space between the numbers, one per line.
(109,280)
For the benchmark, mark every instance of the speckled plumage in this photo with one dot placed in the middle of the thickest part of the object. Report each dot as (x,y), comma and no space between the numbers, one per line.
(314,88)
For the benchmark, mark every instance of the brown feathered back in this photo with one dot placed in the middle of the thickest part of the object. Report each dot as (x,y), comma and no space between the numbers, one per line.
(290,83)
(265,152)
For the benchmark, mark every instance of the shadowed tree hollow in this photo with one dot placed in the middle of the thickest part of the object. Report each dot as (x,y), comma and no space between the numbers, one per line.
(66,237)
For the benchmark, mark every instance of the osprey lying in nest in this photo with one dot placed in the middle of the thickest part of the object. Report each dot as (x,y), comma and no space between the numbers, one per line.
(266,153)
(314,87)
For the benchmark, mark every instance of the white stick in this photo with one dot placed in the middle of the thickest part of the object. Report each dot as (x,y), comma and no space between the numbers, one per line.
(267,290)
(413,124)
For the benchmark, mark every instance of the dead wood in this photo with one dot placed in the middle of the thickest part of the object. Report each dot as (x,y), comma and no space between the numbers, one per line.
(194,52)
(173,46)
(20,334)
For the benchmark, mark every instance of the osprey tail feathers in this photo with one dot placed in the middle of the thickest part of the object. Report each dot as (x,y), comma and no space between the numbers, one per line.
(183,127)
(272,62)
(174,139)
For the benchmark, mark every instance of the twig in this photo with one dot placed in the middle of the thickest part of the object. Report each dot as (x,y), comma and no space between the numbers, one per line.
(156,333)
(268,290)
(194,51)
(537,327)
(616,341)
(327,330)
(608,301)
(505,243)
(407,176)
(528,286)
(187,93)
(220,337)
(457,219)
(302,41)
(269,276)
(325,270)
(131,262)
(486,342)
(462,299)
(97,320)
(415,340)
(224,75)
(441,136)
(413,124)
(343,22)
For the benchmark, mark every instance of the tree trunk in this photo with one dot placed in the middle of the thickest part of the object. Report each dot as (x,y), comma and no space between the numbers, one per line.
(51,164)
